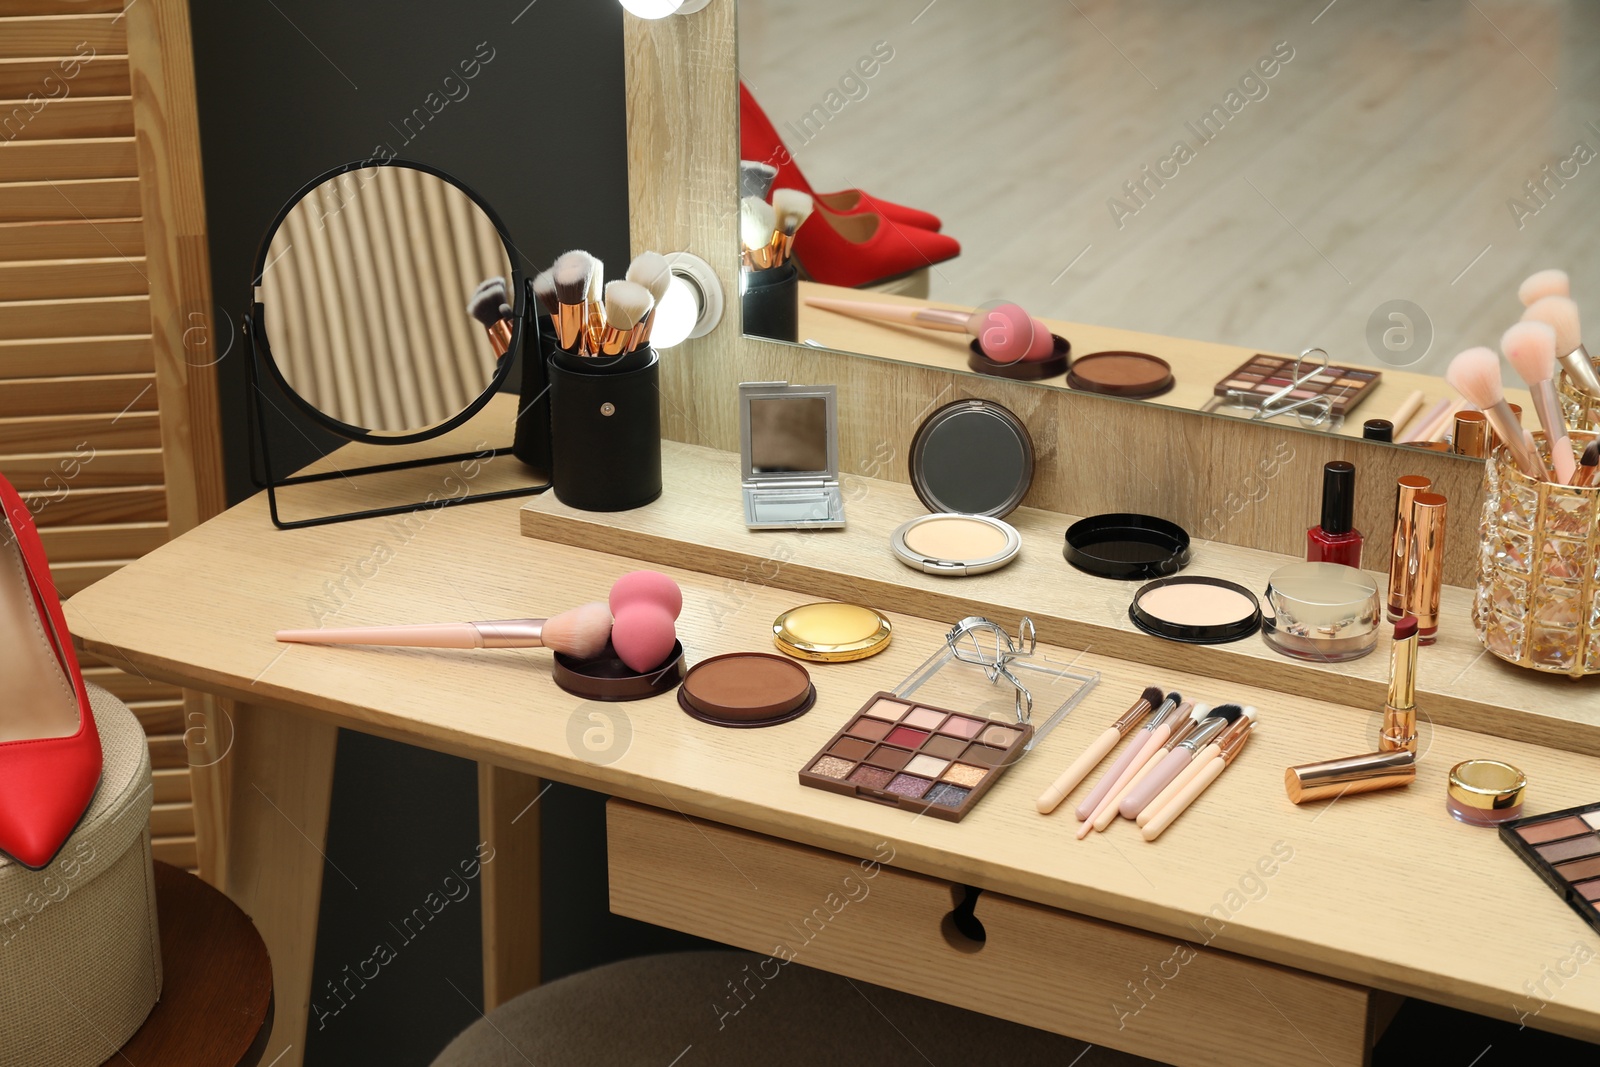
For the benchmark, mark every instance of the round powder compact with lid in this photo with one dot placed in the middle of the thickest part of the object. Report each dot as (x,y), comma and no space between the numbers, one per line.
(747,689)
(1132,375)
(956,544)
(831,633)
(1196,610)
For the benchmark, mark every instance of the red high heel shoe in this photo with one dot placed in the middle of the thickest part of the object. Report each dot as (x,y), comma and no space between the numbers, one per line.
(865,248)
(759,141)
(49,747)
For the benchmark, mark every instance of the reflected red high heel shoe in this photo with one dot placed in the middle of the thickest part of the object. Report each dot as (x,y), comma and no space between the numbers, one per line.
(49,747)
(866,248)
(759,141)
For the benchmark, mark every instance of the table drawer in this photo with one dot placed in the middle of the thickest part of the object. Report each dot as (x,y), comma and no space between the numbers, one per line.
(1096,981)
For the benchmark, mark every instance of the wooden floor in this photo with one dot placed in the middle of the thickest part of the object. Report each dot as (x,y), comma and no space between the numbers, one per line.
(1377,166)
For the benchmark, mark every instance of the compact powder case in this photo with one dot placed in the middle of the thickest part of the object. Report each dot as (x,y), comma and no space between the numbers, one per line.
(1195,610)
(1127,546)
(606,677)
(747,689)
(916,757)
(1023,370)
(1322,612)
(1132,375)
(1564,848)
(971,464)
(831,633)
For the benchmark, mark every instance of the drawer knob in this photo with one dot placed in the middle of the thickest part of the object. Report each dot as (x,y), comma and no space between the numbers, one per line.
(962,928)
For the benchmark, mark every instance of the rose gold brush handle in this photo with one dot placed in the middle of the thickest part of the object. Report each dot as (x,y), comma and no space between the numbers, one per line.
(1516,440)
(904,315)
(506,633)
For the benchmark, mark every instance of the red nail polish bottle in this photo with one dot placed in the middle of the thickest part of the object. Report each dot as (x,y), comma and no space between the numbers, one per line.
(1336,540)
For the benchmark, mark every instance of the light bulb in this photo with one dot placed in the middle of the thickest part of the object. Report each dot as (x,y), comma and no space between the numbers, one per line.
(660,9)
(676,315)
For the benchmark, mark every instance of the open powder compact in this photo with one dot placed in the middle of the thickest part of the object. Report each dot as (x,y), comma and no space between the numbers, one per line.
(1132,375)
(971,464)
(1195,610)
(747,689)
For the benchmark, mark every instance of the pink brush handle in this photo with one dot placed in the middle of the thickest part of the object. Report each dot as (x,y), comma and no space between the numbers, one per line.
(508,633)
(1174,787)
(1180,803)
(901,314)
(1113,802)
(1139,798)
(1091,803)
(1073,775)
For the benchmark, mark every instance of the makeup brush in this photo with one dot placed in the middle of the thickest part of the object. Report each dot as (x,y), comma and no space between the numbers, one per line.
(1005,332)
(792,208)
(1531,348)
(1587,464)
(580,633)
(1419,427)
(1110,806)
(1561,315)
(1154,734)
(1475,374)
(1406,411)
(595,303)
(651,270)
(1228,752)
(1187,718)
(544,290)
(571,277)
(646,605)
(1543,283)
(757,225)
(626,304)
(755,179)
(1188,773)
(1177,758)
(490,307)
(1091,757)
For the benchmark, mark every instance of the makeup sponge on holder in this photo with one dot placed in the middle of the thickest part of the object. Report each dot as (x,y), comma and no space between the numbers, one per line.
(644,609)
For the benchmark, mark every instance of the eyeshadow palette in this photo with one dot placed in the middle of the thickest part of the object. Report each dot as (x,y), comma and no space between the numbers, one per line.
(1564,847)
(1261,376)
(916,757)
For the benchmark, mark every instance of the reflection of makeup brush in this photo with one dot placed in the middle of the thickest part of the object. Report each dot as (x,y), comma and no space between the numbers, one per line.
(757,225)
(626,304)
(1422,425)
(755,179)
(649,269)
(1403,414)
(1561,315)
(1543,283)
(581,633)
(1005,332)
(792,208)
(571,277)
(1531,348)
(1587,464)
(489,306)
(1475,374)
(1070,778)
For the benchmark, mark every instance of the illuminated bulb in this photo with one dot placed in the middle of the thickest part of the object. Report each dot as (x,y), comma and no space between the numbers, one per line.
(660,9)
(676,315)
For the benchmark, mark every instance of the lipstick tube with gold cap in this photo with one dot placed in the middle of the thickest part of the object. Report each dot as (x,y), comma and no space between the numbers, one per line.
(1400,711)
(1400,550)
(1471,435)
(1351,775)
(1427,564)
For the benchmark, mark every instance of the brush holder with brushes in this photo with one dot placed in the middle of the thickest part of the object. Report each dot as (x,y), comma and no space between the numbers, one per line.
(1581,410)
(1538,595)
(771,300)
(532,441)
(605,430)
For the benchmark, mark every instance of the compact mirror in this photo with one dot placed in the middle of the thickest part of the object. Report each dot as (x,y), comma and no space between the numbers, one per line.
(972,457)
(789,440)
(363,285)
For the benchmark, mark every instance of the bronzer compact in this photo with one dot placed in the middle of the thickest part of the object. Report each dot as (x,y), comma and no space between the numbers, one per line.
(971,465)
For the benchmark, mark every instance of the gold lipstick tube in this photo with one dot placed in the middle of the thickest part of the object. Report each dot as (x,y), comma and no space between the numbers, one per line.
(1400,550)
(1350,775)
(1427,575)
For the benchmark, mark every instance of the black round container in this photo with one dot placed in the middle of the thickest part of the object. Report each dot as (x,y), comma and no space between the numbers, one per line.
(532,441)
(605,430)
(771,300)
(1125,546)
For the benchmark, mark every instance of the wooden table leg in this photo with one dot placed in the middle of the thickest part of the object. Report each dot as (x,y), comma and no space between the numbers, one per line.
(509,822)
(280,780)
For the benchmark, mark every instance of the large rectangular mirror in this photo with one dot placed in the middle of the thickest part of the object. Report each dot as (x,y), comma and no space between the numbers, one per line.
(1201,182)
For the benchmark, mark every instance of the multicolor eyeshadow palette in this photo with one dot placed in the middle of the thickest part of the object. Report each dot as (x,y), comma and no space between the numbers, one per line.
(916,757)
(1262,376)
(1564,847)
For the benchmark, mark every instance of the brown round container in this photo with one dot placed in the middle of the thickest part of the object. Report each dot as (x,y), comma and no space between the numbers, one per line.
(747,689)
(606,677)
(1023,370)
(1134,375)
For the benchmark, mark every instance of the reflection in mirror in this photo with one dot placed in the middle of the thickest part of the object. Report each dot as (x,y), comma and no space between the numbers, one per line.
(789,435)
(1201,182)
(365,294)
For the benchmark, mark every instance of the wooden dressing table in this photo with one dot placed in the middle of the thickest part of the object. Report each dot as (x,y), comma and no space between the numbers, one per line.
(1287,930)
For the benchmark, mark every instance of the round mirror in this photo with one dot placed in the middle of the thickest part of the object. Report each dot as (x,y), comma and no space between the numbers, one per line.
(972,457)
(368,282)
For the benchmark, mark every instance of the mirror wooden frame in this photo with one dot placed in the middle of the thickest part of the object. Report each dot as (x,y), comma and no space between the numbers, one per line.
(1224,479)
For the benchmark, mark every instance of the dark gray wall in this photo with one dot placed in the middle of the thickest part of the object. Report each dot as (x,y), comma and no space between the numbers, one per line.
(290,88)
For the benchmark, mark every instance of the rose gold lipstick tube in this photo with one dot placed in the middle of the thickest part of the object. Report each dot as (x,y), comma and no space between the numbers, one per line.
(1471,435)
(1351,775)
(1427,572)
(1400,551)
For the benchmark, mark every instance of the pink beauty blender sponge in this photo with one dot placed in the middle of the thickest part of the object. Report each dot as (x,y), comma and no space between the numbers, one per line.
(644,608)
(1009,334)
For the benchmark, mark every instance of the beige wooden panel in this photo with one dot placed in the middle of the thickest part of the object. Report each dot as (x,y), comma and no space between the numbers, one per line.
(68,433)
(94,198)
(172,820)
(74,544)
(56,279)
(101,76)
(61,476)
(71,578)
(66,396)
(178,851)
(128,688)
(9,8)
(61,35)
(51,357)
(512,933)
(168,751)
(114,315)
(68,504)
(71,239)
(90,116)
(172,785)
(97,157)
(159,717)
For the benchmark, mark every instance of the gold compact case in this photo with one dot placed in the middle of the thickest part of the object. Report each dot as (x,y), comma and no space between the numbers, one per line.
(829,632)
(1485,792)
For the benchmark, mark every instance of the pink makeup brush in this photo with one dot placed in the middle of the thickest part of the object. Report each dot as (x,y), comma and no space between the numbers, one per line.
(1102,746)
(1543,283)
(1187,719)
(646,605)
(1531,348)
(1151,737)
(1561,315)
(1475,374)
(1005,332)
(1177,759)
(1243,724)
(580,633)
(1231,745)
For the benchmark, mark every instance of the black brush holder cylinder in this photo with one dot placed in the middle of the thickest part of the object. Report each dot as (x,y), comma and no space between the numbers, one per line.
(771,302)
(531,443)
(605,430)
